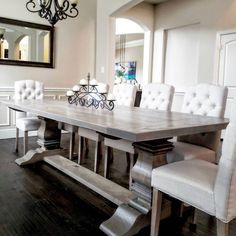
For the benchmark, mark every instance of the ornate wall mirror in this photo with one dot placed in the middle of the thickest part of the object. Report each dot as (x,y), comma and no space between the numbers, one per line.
(25,44)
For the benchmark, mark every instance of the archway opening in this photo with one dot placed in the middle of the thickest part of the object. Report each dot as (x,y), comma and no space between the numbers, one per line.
(23,51)
(129,52)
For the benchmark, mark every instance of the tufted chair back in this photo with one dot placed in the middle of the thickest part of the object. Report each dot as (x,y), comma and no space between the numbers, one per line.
(207,100)
(157,96)
(125,94)
(225,185)
(28,89)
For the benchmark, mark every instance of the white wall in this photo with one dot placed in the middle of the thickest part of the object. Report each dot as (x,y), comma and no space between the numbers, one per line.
(74,56)
(212,16)
(74,47)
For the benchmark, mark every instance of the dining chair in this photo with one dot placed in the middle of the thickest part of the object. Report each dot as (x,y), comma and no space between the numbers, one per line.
(204,100)
(156,96)
(27,90)
(85,134)
(204,185)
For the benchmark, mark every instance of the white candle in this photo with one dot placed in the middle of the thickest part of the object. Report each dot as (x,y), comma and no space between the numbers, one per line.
(83,82)
(76,88)
(69,93)
(110,97)
(93,82)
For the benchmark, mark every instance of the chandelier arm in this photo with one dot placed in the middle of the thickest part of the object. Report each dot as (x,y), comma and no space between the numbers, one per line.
(30,5)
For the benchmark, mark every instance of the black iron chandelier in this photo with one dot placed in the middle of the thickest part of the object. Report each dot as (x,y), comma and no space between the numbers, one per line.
(62,9)
(87,94)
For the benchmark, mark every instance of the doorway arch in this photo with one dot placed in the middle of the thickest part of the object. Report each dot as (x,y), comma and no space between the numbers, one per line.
(130,25)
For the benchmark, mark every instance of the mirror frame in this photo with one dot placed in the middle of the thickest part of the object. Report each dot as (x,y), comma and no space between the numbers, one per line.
(49,64)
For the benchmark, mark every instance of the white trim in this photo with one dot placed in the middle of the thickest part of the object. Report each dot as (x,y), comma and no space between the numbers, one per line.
(11,89)
(134,43)
(218,48)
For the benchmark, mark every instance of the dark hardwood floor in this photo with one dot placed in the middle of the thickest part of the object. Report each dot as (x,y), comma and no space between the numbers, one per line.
(39,200)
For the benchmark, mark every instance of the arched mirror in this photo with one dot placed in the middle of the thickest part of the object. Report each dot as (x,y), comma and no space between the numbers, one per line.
(25,44)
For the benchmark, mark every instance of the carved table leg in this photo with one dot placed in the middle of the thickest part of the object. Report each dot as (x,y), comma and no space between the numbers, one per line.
(49,137)
(130,218)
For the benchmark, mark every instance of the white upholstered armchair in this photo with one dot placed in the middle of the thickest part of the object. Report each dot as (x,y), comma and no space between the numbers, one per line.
(156,96)
(206,100)
(204,185)
(27,89)
(124,94)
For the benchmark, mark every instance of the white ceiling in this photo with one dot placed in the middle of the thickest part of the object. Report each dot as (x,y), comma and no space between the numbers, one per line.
(155,1)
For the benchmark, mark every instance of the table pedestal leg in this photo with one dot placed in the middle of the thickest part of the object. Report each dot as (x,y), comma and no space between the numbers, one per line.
(49,137)
(130,218)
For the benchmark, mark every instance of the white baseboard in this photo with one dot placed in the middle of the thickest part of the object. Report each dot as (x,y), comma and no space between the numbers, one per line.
(11,133)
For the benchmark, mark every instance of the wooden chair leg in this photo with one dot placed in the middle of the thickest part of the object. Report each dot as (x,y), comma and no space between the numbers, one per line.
(86,147)
(97,156)
(156,212)
(107,151)
(128,160)
(25,142)
(80,149)
(72,145)
(17,140)
(222,228)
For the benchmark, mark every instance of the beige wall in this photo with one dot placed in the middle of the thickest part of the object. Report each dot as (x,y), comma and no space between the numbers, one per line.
(74,47)
(213,16)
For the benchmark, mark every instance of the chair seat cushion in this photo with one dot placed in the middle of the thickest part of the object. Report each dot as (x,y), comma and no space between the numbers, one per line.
(120,144)
(28,123)
(190,181)
(186,151)
(67,127)
(90,134)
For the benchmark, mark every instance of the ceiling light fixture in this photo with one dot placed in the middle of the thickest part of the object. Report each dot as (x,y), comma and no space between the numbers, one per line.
(62,9)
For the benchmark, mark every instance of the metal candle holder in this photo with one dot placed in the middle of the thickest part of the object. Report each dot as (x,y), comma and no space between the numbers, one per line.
(87,95)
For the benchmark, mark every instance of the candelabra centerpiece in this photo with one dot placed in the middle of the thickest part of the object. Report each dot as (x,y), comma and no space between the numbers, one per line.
(87,94)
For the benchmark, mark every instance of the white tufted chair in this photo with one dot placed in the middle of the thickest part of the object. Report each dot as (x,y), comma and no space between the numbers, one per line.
(154,96)
(204,185)
(157,96)
(206,100)
(85,134)
(27,89)
(125,94)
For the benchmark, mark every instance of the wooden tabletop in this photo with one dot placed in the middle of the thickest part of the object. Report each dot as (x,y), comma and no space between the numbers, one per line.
(133,124)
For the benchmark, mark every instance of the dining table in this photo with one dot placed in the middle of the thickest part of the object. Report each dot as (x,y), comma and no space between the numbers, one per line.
(149,131)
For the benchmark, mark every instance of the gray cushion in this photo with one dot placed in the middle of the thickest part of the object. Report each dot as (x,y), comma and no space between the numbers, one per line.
(186,151)
(190,181)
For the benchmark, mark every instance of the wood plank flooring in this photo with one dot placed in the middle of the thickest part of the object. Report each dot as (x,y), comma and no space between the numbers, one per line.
(39,200)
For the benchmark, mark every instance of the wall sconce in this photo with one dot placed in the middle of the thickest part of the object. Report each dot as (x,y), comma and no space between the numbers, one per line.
(62,9)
